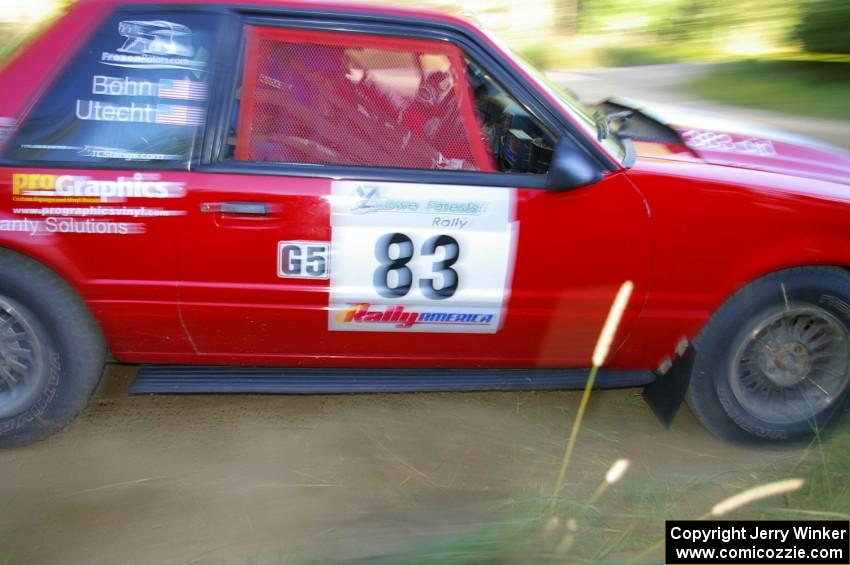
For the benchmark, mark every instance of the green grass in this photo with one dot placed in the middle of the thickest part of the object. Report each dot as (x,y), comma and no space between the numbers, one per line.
(627,522)
(806,87)
(573,54)
(635,56)
(826,468)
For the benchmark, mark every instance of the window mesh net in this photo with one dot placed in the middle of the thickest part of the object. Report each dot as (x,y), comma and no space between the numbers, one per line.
(350,99)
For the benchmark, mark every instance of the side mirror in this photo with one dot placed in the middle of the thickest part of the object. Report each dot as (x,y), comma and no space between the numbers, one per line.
(571,167)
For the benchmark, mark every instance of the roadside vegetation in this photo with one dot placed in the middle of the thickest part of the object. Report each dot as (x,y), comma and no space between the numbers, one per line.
(818,88)
(11,37)
(791,57)
(14,34)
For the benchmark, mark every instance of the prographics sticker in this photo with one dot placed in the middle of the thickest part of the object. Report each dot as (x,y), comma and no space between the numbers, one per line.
(420,258)
(36,187)
(70,225)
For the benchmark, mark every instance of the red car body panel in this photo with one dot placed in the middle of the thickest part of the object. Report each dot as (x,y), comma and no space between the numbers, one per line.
(714,233)
(250,315)
(688,227)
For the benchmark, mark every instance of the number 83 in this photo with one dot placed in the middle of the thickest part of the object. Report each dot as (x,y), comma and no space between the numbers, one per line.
(403,276)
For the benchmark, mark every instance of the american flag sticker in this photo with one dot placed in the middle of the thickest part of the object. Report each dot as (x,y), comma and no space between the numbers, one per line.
(179,115)
(182,89)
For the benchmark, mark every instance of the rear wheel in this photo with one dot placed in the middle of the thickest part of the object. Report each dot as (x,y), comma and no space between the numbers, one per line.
(51,351)
(774,362)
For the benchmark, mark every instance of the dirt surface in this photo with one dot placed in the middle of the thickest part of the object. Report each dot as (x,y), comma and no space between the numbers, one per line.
(255,479)
(273,479)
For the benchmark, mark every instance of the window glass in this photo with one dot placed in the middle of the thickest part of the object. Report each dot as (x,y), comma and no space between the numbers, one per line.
(329,98)
(137,92)
(516,140)
(352,99)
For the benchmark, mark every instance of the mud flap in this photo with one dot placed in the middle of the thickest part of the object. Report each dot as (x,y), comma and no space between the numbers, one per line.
(666,393)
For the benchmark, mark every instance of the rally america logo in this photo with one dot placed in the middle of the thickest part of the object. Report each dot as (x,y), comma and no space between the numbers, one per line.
(400,317)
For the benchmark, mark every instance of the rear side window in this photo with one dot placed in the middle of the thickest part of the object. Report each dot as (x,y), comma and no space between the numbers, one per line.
(136,92)
(332,98)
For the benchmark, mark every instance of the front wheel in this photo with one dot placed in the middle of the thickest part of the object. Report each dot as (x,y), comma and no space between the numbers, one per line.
(774,362)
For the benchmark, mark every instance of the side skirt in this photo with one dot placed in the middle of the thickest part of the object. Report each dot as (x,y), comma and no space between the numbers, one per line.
(180,379)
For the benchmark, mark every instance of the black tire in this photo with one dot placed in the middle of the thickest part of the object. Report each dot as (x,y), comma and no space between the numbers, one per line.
(773,363)
(52,352)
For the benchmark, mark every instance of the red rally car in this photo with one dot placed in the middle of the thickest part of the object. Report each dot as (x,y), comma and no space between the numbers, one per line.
(285,196)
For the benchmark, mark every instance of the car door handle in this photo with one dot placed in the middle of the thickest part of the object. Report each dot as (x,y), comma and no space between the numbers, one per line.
(237,208)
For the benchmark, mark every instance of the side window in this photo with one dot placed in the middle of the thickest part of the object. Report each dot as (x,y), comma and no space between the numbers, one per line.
(136,93)
(516,140)
(331,98)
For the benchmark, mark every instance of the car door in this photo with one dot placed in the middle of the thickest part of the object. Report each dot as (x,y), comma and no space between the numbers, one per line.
(380,201)
(96,170)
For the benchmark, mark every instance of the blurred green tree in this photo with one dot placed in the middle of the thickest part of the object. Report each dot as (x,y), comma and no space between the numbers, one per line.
(825,26)
(707,25)
(568,15)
